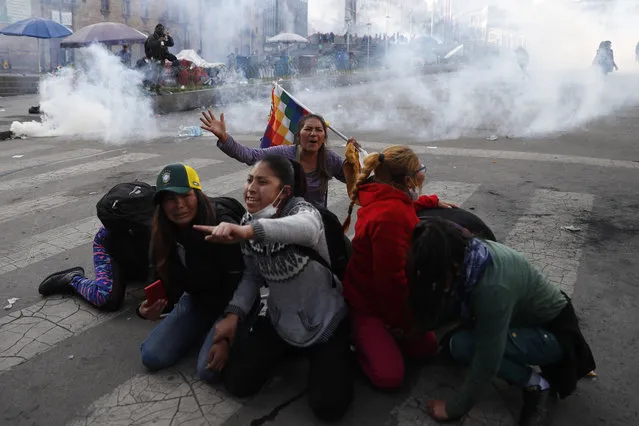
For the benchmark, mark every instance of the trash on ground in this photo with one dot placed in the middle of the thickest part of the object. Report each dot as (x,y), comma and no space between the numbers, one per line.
(189,131)
(592,374)
(11,302)
(71,356)
(2,110)
(431,147)
(571,228)
(17,156)
(492,138)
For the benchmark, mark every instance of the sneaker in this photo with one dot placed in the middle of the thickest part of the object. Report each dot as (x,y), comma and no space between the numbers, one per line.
(538,405)
(60,282)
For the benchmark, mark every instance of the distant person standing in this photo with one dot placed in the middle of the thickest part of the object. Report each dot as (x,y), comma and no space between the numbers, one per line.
(522,58)
(125,55)
(605,58)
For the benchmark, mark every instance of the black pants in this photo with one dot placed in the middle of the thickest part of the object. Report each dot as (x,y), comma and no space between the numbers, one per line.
(330,380)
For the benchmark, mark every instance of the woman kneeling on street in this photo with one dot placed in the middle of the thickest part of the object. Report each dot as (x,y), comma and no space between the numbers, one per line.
(306,312)
(516,324)
(206,275)
(375,283)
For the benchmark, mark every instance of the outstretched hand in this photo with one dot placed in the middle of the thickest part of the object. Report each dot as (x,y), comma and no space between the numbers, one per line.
(217,127)
(226,233)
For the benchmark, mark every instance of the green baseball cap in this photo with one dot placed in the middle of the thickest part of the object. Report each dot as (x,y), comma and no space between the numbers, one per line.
(178,178)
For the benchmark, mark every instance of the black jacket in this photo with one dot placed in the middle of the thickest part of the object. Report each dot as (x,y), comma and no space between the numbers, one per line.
(209,272)
(154,49)
(577,361)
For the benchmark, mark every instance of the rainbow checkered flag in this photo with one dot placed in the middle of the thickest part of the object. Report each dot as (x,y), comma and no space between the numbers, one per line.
(282,123)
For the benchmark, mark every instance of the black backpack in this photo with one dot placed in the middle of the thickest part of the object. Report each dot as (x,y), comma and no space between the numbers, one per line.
(228,209)
(461,217)
(339,246)
(128,208)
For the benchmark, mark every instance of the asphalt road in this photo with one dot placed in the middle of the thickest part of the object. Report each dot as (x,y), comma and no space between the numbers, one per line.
(62,362)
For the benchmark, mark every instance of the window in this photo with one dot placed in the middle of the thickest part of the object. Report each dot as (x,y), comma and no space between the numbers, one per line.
(126,8)
(144,6)
(3,10)
(104,6)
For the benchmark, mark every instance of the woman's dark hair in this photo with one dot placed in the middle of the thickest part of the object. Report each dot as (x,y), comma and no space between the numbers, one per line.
(322,166)
(437,252)
(289,172)
(164,234)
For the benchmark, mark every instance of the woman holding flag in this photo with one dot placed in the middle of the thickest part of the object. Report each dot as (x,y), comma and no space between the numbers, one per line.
(304,141)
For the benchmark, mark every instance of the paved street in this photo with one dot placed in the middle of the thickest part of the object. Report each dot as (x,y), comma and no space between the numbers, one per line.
(62,362)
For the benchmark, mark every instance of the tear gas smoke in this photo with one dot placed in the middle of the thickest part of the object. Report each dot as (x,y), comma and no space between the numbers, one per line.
(560,91)
(99,99)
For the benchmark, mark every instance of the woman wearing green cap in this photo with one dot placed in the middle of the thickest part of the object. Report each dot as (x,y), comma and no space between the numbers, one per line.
(205,275)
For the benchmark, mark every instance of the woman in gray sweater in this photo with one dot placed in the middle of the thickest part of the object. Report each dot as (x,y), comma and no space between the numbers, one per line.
(306,311)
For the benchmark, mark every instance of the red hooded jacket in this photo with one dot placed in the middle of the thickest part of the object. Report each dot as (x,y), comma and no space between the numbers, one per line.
(375,281)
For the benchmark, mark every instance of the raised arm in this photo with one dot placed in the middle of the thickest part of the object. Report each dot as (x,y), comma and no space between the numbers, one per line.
(235,150)
(303,226)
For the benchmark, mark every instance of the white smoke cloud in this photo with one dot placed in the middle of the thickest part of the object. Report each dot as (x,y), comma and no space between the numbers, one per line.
(561,91)
(100,99)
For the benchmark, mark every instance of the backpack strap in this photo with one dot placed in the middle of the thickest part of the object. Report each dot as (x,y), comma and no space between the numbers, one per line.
(314,255)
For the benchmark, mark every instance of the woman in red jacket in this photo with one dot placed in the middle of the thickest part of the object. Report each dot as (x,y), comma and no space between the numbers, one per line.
(375,283)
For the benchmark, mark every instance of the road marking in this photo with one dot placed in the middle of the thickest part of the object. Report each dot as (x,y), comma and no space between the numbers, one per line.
(225,184)
(22,163)
(538,234)
(510,155)
(12,211)
(24,149)
(195,163)
(93,166)
(168,397)
(50,243)
(39,327)
(453,192)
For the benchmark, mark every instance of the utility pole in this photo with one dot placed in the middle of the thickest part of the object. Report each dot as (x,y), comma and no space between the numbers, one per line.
(368,47)
(200,24)
(348,35)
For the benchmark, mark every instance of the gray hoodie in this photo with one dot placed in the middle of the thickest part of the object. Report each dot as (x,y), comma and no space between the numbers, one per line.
(303,305)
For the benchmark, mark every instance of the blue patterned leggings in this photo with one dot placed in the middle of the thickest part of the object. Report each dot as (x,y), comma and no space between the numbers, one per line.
(98,292)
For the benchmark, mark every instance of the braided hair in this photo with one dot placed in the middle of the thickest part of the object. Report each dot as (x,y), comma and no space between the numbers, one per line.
(392,166)
(437,253)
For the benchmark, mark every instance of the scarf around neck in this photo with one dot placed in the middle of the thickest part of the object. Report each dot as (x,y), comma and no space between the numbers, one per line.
(476,258)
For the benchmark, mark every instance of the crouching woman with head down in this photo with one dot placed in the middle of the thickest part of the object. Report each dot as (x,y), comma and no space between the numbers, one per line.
(513,319)
(306,311)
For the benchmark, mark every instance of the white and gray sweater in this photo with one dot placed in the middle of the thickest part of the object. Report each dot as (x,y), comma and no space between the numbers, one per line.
(303,305)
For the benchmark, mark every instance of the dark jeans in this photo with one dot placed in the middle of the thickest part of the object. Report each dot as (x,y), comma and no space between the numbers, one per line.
(525,347)
(330,381)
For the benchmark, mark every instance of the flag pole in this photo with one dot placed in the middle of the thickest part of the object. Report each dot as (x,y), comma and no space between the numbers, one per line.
(337,132)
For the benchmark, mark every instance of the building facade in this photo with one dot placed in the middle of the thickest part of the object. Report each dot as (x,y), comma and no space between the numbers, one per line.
(283,16)
(215,27)
(350,14)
